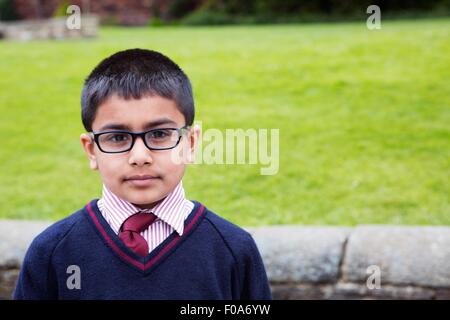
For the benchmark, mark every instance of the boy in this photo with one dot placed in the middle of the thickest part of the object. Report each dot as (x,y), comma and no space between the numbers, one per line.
(143,239)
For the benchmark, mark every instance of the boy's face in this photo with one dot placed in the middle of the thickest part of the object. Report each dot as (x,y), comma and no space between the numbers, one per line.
(116,169)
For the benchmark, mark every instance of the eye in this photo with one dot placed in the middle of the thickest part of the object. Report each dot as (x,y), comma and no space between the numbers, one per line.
(117,137)
(160,134)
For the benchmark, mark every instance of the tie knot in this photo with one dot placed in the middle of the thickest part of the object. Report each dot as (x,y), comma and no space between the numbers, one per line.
(138,222)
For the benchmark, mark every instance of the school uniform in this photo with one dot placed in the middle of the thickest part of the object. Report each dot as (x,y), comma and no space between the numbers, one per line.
(192,254)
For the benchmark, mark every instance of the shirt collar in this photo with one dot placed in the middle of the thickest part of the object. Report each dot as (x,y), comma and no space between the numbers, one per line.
(170,210)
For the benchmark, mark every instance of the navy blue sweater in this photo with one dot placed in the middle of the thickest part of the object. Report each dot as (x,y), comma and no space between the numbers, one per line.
(80,257)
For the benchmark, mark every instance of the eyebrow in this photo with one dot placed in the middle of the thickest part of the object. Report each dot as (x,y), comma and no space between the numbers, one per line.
(148,125)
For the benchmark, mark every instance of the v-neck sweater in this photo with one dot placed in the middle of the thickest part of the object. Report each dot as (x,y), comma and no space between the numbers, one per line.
(80,257)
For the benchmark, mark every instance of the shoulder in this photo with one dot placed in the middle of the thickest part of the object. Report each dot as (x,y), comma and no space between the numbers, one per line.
(227,229)
(238,240)
(45,242)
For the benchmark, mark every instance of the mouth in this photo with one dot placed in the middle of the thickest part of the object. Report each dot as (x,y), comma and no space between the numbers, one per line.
(141,180)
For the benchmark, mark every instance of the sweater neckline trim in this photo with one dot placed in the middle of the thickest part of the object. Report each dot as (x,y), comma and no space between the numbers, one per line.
(157,255)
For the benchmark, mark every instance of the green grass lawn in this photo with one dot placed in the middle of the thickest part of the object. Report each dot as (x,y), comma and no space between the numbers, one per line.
(364,120)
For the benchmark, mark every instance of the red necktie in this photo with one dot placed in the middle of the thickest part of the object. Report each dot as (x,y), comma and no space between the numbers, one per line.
(130,231)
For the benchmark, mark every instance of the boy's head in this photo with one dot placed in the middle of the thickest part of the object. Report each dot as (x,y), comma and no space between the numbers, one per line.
(133,74)
(135,91)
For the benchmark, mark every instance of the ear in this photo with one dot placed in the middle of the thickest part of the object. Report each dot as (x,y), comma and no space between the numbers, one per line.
(193,141)
(88,145)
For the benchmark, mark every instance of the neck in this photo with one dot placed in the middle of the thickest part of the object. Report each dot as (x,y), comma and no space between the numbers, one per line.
(148,206)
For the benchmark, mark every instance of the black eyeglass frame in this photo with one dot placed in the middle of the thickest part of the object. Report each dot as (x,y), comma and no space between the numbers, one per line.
(134,135)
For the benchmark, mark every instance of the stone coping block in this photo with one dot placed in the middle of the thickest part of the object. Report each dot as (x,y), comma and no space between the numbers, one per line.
(53,28)
(405,255)
(15,237)
(301,254)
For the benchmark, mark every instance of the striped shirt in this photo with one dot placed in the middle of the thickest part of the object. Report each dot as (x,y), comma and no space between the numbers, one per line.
(170,213)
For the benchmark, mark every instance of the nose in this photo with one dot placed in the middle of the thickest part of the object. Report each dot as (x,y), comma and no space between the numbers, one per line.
(139,155)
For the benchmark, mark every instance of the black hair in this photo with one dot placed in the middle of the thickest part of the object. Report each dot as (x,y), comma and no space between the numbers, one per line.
(136,73)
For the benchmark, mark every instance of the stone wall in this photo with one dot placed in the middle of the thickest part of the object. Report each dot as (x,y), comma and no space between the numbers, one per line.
(54,28)
(15,237)
(313,262)
(340,263)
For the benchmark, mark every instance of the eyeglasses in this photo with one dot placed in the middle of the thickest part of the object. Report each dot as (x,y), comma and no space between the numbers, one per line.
(122,141)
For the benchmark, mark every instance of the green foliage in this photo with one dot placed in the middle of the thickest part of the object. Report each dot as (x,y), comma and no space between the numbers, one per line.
(215,12)
(7,11)
(208,17)
(156,22)
(61,10)
(179,8)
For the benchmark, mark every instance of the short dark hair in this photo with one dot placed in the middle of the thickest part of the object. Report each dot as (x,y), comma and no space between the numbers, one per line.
(136,73)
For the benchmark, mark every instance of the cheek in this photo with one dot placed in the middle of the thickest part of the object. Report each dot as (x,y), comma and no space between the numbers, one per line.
(171,163)
(109,167)
(181,154)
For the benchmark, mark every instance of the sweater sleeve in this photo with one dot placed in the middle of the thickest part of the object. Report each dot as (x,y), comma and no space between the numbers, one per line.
(36,279)
(255,285)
